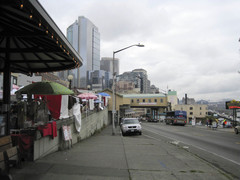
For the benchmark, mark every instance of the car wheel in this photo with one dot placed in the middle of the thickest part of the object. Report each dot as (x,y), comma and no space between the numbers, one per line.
(236,131)
(123,134)
(140,133)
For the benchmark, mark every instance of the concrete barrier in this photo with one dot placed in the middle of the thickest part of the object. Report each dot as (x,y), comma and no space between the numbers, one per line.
(91,123)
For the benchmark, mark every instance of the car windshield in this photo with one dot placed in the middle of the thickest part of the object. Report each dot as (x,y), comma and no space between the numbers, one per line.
(131,121)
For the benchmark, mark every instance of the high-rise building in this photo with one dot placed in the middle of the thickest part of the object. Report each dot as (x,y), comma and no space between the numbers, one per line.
(98,80)
(145,83)
(85,38)
(106,64)
(139,78)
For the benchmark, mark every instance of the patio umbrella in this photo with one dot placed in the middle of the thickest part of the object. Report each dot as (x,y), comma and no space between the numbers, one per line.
(104,94)
(98,101)
(45,88)
(87,96)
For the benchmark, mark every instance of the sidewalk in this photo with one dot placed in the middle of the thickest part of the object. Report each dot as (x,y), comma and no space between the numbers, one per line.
(104,156)
(98,157)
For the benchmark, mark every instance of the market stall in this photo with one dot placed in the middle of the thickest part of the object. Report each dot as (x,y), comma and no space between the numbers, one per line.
(37,116)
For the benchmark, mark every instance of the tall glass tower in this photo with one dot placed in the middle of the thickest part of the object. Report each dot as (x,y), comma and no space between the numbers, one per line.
(85,38)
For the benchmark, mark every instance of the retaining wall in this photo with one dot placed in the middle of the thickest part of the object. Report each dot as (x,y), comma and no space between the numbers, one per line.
(91,123)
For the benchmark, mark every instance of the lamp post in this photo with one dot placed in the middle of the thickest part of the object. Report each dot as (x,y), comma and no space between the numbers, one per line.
(113,86)
(70,77)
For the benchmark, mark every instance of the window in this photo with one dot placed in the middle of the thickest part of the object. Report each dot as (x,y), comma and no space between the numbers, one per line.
(149,100)
(155,100)
(132,100)
(191,108)
(191,113)
(137,100)
(161,100)
(143,100)
(200,108)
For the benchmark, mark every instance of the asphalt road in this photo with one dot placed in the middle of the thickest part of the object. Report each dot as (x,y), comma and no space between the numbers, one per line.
(220,147)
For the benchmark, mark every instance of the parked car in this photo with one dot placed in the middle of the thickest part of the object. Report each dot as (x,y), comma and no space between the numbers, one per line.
(237,129)
(153,120)
(131,125)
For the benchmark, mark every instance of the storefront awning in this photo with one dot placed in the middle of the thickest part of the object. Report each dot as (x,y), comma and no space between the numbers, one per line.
(31,42)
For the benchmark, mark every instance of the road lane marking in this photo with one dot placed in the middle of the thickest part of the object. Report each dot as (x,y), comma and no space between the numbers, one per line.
(190,145)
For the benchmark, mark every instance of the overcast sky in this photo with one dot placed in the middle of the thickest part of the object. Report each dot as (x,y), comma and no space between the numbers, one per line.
(191,46)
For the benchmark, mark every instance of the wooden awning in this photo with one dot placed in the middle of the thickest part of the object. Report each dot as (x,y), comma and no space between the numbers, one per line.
(31,42)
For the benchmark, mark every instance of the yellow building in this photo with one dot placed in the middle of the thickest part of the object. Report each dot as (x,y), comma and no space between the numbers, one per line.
(197,111)
(157,103)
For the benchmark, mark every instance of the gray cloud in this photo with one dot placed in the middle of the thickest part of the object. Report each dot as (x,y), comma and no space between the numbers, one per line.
(190,46)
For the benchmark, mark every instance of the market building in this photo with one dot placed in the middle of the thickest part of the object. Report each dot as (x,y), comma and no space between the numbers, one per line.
(44,121)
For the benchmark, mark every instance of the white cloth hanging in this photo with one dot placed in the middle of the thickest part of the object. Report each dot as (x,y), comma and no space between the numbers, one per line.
(91,104)
(64,107)
(77,115)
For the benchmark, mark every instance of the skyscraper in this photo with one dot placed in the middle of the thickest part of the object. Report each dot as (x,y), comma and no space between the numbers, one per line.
(107,64)
(85,38)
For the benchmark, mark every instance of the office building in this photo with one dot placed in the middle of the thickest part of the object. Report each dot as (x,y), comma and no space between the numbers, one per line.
(138,77)
(85,38)
(106,64)
(98,80)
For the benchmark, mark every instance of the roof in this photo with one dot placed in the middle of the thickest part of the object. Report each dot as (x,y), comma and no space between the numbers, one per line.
(143,95)
(172,93)
(31,42)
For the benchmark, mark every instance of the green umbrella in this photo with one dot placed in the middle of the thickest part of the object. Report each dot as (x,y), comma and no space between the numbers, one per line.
(45,88)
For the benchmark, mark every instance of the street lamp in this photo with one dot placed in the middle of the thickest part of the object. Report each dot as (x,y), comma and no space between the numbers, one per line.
(113,86)
(70,77)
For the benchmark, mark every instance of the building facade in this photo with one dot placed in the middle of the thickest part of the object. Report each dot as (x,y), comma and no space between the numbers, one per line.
(98,80)
(139,78)
(106,64)
(196,111)
(124,87)
(85,38)
(172,98)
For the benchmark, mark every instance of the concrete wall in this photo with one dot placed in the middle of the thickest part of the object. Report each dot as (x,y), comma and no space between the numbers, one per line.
(90,124)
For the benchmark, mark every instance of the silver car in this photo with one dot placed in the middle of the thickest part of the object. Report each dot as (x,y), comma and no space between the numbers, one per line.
(131,125)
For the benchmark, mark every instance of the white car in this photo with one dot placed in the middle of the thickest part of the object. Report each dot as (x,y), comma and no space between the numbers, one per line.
(131,125)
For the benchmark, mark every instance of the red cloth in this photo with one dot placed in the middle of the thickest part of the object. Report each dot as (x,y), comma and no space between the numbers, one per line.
(53,103)
(104,101)
(54,129)
(49,130)
(24,141)
(46,130)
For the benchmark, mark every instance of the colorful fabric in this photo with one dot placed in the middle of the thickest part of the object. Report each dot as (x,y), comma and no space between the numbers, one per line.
(53,104)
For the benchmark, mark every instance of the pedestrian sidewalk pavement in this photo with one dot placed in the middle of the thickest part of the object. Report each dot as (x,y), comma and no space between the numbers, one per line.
(104,156)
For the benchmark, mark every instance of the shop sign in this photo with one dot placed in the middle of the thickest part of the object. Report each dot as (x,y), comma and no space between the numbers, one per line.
(67,133)
(147,103)
(233,104)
